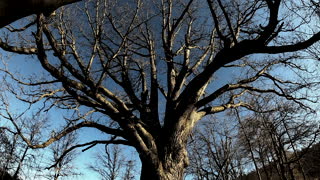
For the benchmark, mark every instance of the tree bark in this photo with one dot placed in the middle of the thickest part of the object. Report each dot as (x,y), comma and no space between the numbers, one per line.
(170,159)
(163,170)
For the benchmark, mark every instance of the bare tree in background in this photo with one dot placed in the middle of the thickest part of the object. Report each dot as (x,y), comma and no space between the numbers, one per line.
(152,70)
(6,149)
(272,144)
(63,168)
(276,139)
(112,164)
(214,153)
(130,171)
(22,162)
(16,155)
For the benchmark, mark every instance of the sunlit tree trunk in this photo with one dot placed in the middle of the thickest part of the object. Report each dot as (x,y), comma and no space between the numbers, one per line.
(165,170)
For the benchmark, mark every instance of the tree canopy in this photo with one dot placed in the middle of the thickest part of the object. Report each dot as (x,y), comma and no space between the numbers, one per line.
(146,72)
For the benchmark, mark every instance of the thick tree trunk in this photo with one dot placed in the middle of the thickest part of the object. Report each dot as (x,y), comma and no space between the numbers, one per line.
(168,163)
(167,158)
(169,170)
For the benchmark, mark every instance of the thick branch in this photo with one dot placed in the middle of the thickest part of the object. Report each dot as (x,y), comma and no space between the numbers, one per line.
(19,50)
(290,48)
(216,109)
(12,10)
(90,144)
(68,130)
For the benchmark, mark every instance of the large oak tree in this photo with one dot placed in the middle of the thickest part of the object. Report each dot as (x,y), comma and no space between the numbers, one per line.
(152,70)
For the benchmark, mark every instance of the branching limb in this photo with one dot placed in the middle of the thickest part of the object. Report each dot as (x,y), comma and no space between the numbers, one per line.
(19,50)
(66,131)
(90,145)
(217,109)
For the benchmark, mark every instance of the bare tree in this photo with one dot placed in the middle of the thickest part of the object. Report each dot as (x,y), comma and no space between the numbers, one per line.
(276,139)
(268,143)
(129,172)
(152,69)
(5,147)
(214,153)
(16,155)
(63,168)
(112,164)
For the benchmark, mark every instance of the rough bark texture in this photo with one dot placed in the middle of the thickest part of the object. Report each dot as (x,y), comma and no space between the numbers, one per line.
(170,167)
(171,158)
(158,173)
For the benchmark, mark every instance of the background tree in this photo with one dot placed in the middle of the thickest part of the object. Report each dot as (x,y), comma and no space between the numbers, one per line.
(17,158)
(276,138)
(271,144)
(108,163)
(63,168)
(130,171)
(146,72)
(214,153)
(16,155)
(112,164)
